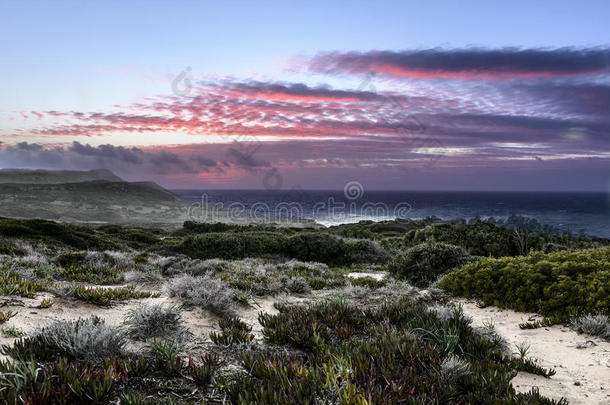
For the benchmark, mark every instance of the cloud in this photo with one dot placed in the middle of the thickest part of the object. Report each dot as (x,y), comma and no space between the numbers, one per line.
(244,128)
(464,64)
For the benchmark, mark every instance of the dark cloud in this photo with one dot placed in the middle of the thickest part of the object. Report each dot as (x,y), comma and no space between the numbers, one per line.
(470,63)
(129,155)
(244,158)
(297,92)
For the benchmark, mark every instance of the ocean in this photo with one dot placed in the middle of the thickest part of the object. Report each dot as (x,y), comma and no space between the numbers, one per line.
(587,213)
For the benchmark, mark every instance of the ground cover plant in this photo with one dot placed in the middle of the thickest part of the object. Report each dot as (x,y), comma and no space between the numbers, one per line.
(562,284)
(12,283)
(107,296)
(396,353)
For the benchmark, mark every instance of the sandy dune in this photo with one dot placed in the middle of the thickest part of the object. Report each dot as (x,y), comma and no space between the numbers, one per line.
(583,374)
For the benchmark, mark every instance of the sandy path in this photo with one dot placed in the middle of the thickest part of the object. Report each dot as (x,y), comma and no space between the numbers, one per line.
(583,375)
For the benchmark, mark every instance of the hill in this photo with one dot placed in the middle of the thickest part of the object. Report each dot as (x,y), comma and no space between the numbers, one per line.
(87,196)
(27,176)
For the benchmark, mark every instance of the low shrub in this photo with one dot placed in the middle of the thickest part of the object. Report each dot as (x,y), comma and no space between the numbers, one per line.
(166,356)
(233,331)
(203,373)
(207,292)
(454,369)
(13,284)
(424,263)
(154,320)
(559,285)
(89,339)
(5,316)
(93,267)
(397,353)
(59,383)
(12,332)
(368,281)
(233,245)
(591,324)
(253,275)
(297,285)
(107,296)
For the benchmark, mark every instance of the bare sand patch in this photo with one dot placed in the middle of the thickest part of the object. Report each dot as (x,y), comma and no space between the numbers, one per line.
(583,374)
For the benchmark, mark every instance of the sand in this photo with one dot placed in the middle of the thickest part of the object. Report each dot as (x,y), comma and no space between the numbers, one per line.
(583,375)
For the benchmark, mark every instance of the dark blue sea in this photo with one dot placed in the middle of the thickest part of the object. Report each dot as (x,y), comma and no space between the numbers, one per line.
(587,213)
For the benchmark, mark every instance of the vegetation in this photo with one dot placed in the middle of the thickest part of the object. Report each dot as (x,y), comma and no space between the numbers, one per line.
(424,263)
(13,284)
(353,355)
(595,325)
(561,284)
(5,316)
(382,341)
(515,236)
(206,292)
(154,320)
(108,296)
(233,331)
(89,339)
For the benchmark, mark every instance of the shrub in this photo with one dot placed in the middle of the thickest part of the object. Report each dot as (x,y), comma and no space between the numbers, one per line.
(166,355)
(107,296)
(78,237)
(5,316)
(154,320)
(515,236)
(297,285)
(319,247)
(89,339)
(480,239)
(424,263)
(93,267)
(12,284)
(364,251)
(560,285)
(233,331)
(396,353)
(59,383)
(454,370)
(595,325)
(203,373)
(206,292)
(233,245)
(368,281)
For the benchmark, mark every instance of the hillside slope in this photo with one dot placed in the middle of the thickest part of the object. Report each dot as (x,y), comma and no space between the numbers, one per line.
(97,196)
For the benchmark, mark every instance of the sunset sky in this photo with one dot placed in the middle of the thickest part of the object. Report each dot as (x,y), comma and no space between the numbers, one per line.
(405,95)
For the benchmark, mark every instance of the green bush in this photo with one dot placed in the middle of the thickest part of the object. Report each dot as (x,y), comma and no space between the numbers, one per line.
(488,239)
(232,245)
(480,239)
(316,247)
(305,246)
(54,233)
(560,284)
(424,263)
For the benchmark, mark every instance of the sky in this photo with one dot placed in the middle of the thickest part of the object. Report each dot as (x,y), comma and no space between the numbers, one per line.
(397,95)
